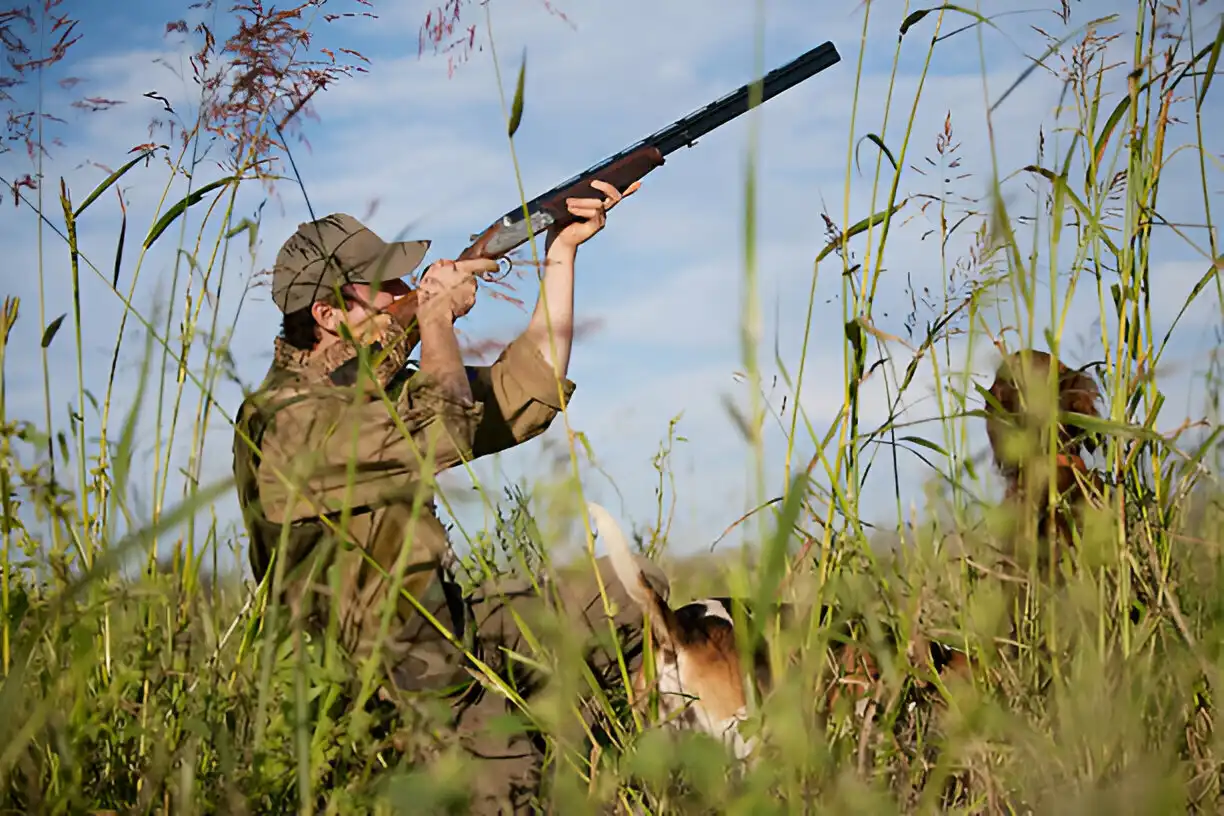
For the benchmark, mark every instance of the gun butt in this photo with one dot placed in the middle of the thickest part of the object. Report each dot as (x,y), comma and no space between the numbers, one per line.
(403,310)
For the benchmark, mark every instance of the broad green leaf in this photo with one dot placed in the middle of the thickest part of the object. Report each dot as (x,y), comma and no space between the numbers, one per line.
(1107,131)
(110,180)
(516,109)
(248,226)
(878,142)
(1108,427)
(860,227)
(1209,72)
(926,443)
(243,226)
(181,207)
(52,328)
(916,17)
(119,250)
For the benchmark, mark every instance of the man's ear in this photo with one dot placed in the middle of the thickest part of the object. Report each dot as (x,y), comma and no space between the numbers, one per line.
(326,315)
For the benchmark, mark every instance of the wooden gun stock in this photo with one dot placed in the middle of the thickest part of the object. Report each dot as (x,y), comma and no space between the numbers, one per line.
(548,211)
(403,311)
(621,174)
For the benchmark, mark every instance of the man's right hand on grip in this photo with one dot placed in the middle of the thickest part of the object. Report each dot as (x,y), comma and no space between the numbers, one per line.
(449,287)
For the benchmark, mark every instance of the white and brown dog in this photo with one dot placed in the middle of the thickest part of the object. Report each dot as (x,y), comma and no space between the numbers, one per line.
(700,678)
(700,683)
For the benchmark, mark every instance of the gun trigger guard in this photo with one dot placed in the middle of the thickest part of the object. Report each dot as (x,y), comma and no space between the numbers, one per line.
(504,270)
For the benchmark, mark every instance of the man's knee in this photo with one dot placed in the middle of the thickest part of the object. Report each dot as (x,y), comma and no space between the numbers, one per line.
(506,761)
(430,653)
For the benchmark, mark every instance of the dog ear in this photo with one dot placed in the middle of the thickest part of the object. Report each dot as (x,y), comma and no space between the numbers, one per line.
(633,578)
(1000,418)
(1078,393)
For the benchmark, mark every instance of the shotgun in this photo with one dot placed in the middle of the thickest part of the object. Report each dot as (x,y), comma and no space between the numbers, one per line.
(517,226)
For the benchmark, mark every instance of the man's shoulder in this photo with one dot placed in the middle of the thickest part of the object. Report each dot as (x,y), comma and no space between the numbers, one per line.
(284,392)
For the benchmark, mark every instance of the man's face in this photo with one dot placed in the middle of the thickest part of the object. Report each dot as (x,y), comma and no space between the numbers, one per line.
(365,303)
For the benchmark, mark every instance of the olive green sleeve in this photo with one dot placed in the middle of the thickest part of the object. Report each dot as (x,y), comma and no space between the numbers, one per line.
(520,397)
(336,451)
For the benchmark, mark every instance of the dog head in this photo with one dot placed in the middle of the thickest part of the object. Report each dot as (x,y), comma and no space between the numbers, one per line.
(1026,408)
(1018,423)
(699,677)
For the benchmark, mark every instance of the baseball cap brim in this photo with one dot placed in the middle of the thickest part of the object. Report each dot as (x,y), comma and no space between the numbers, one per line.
(398,260)
(294,290)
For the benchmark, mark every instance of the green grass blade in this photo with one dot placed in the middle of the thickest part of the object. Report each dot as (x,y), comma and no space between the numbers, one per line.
(516,107)
(1212,62)
(110,180)
(182,206)
(119,245)
(52,328)
(878,142)
(918,16)
(860,227)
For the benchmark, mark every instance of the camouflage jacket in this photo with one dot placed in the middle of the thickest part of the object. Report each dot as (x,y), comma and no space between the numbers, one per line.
(320,448)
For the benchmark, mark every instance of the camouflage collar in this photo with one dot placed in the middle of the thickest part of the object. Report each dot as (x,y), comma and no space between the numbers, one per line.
(315,367)
(311,366)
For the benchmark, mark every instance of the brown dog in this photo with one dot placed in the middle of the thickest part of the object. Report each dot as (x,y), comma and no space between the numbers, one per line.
(1018,428)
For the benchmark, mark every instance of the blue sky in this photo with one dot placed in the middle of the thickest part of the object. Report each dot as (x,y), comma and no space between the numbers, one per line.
(423,154)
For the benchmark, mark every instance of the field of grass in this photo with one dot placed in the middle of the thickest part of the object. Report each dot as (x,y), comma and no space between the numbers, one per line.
(139,684)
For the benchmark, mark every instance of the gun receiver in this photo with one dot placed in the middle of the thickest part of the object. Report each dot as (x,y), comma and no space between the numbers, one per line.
(515,227)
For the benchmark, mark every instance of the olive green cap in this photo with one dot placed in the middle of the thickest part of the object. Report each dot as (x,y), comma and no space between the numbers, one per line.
(336,250)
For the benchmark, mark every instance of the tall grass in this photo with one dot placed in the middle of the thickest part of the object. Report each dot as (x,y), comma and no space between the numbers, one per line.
(177,689)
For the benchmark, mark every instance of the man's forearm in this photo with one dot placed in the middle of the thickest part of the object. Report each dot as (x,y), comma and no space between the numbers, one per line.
(440,357)
(555,308)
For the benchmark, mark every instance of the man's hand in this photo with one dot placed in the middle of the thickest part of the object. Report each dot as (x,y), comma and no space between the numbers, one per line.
(450,286)
(594,211)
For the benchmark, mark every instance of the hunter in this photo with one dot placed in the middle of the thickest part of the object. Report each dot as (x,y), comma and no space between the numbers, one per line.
(340,488)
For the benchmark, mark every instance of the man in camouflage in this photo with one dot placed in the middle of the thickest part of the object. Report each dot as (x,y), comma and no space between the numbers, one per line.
(337,488)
